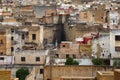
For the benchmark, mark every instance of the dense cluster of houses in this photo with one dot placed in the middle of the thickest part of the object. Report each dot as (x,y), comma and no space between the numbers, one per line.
(38,32)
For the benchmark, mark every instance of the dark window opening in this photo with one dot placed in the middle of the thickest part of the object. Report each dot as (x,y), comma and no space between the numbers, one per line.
(63,45)
(12,49)
(116,26)
(108,26)
(37,58)
(41,71)
(117,49)
(23,36)
(22,58)
(106,20)
(1,53)
(12,38)
(1,58)
(12,30)
(57,55)
(103,55)
(113,21)
(1,41)
(48,79)
(74,56)
(117,38)
(33,36)
(101,17)
(67,55)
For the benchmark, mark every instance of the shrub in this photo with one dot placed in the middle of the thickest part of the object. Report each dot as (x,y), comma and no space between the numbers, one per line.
(70,61)
(22,73)
(98,61)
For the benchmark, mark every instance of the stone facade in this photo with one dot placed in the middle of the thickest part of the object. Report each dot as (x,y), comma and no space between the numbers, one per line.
(116,74)
(69,49)
(69,71)
(105,75)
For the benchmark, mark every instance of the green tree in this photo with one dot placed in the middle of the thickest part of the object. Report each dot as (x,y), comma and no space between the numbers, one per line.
(70,61)
(75,63)
(22,73)
(98,61)
(116,63)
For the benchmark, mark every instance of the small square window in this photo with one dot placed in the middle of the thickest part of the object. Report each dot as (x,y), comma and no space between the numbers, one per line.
(67,55)
(74,56)
(1,53)
(37,58)
(57,55)
(23,59)
(63,45)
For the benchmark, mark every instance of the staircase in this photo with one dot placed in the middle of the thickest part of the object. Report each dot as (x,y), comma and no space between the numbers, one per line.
(31,76)
(34,75)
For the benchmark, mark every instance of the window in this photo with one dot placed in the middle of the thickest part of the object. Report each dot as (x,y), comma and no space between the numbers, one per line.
(37,58)
(74,56)
(12,49)
(1,53)
(63,45)
(41,71)
(108,26)
(23,36)
(22,58)
(67,55)
(1,58)
(57,55)
(113,21)
(1,41)
(12,38)
(12,30)
(103,55)
(117,37)
(33,36)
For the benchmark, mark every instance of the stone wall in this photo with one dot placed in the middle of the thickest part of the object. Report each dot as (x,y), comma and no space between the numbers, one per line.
(116,74)
(70,71)
(105,76)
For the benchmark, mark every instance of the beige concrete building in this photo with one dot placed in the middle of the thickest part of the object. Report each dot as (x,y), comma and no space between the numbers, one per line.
(5,48)
(69,49)
(98,13)
(108,75)
(70,72)
(30,57)
(116,74)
